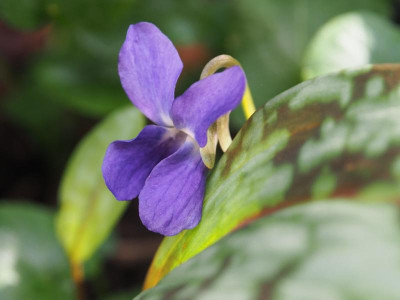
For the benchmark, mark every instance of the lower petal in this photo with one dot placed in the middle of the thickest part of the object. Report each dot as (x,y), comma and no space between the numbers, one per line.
(172,197)
(127,164)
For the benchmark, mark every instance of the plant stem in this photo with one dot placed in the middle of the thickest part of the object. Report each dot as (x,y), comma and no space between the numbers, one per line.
(78,277)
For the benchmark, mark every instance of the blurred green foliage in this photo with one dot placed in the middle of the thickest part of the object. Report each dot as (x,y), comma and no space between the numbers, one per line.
(78,70)
(349,41)
(74,74)
(33,264)
(269,38)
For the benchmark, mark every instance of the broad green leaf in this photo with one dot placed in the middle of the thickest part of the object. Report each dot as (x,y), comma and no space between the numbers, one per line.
(352,40)
(269,38)
(33,265)
(320,251)
(337,135)
(88,209)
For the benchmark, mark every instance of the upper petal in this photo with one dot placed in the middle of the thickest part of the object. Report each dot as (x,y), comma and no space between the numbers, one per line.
(149,67)
(127,164)
(172,197)
(207,100)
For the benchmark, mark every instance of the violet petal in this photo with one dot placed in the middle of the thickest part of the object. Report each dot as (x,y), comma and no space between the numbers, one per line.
(149,67)
(207,100)
(172,197)
(127,164)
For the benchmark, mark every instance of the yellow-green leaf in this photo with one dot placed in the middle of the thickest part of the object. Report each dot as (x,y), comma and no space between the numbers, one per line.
(88,210)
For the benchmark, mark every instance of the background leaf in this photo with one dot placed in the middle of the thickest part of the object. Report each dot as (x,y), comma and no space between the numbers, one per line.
(33,264)
(324,250)
(269,39)
(88,209)
(333,136)
(352,40)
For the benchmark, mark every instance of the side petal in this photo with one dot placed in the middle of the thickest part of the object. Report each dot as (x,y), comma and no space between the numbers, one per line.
(207,100)
(127,164)
(172,197)
(149,67)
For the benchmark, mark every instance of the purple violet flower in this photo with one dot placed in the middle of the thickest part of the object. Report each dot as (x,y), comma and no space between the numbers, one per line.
(163,165)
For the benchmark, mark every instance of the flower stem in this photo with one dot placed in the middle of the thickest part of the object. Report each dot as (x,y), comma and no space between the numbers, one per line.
(208,152)
(220,128)
(78,278)
(226,61)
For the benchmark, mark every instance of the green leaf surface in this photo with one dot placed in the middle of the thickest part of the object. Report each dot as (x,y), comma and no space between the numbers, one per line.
(88,209)
(269,38)
(337,135)
(33,265)
(352,40)
(327,250)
